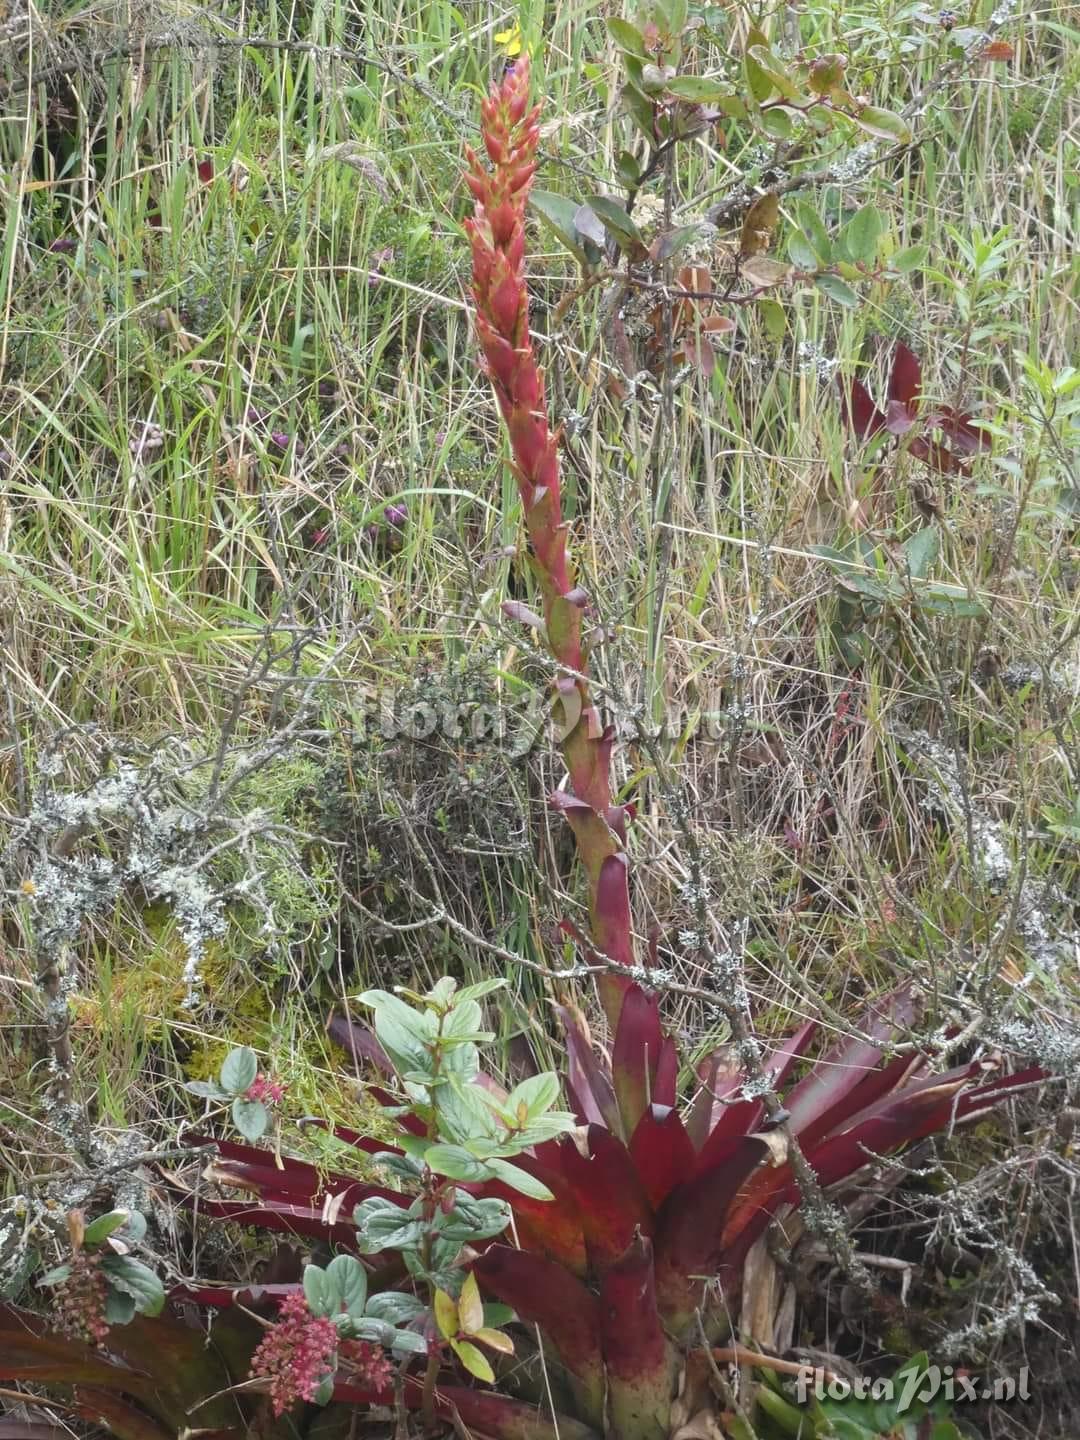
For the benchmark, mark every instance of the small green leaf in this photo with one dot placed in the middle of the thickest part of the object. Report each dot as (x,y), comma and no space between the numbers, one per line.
(446,1314)
(205,1089)
(538,1094)
(494,1340)
(912,258)
(455,1162)
(474,1360)
(617,222)
(56,1276)
(119,1307)
(883,124)
(349,1279)
(862,233)
(101,1228)
(836,289)
(921,550)
(250,1117)
(325,1393)
(697,89)
(137,1280)
(758,80)
(407,1342)
(774,316)
(813,227)
(518,1180)
(319,1292)
(801,253)
(394,1307)
(627,37)
(627,169)
(239,1070)
(557,212)
(470,1307)
(777,123)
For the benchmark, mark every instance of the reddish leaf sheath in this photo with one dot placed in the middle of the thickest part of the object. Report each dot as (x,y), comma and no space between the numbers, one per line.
(662,1151)
(905,378)
(609,1193)
(860,413)
(639,1360)
(635,1055)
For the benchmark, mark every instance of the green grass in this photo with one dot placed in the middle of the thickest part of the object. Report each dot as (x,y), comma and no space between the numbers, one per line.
(314,287)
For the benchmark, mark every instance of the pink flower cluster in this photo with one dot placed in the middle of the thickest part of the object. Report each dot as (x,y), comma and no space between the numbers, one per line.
(295,1354)
(80,1301)
(369,1363)
(263,1088)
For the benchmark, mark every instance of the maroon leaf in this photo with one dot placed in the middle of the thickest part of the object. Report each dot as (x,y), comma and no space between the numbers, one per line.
(360,1043)
(104,1409)
(640,1361)
(665,1081)
(551,1228)
(591,1086)
(662,1151)
(743,1117)
(635,1055)
(905,378)
(278,1216)
(845,1067)
(719,1075)
(859,411)
(609,1195)
(898,418)
(547,1295)
(690,1229)
(935,455)
(485,1413)
(956,426)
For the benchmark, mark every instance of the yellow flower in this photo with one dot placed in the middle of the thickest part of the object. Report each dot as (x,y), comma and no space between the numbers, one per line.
(510,40)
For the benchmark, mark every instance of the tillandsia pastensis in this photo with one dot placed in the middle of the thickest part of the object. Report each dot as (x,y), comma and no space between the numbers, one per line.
(497,232)
(631,1213)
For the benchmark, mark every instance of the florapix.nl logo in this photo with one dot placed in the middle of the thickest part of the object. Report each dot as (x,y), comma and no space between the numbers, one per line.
(914,1384)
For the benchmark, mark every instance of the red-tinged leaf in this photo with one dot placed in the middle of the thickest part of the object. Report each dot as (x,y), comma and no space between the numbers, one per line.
(612,925)
(934,455)
(609,1194)
(358,1041)
(905,378)
(635,1055)
(689,1233)
(489,1414)
(860,413)
(409,1123)
(550,1228)
(591,1085)
(662,1151)
(300,1185)
(976,1102)
(666,1080)
(849,1064)
(223,1297)
(205,170)
(719,1075)
(957,428)
(569,1315)
(898,418)
(743,1117)
(641,1363)
(110,1412)
(277,1216)
(370,1145)
(695,350)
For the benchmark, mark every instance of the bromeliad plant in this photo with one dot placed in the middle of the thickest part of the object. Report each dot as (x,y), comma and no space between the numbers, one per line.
(631,1213)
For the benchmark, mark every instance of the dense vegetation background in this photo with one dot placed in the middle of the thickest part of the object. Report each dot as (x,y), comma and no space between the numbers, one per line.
(268,736)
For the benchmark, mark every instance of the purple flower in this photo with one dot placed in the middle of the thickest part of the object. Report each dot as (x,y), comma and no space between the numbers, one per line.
(371,533)
(396,515)
(280,439)
(253,416)
(64,246)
